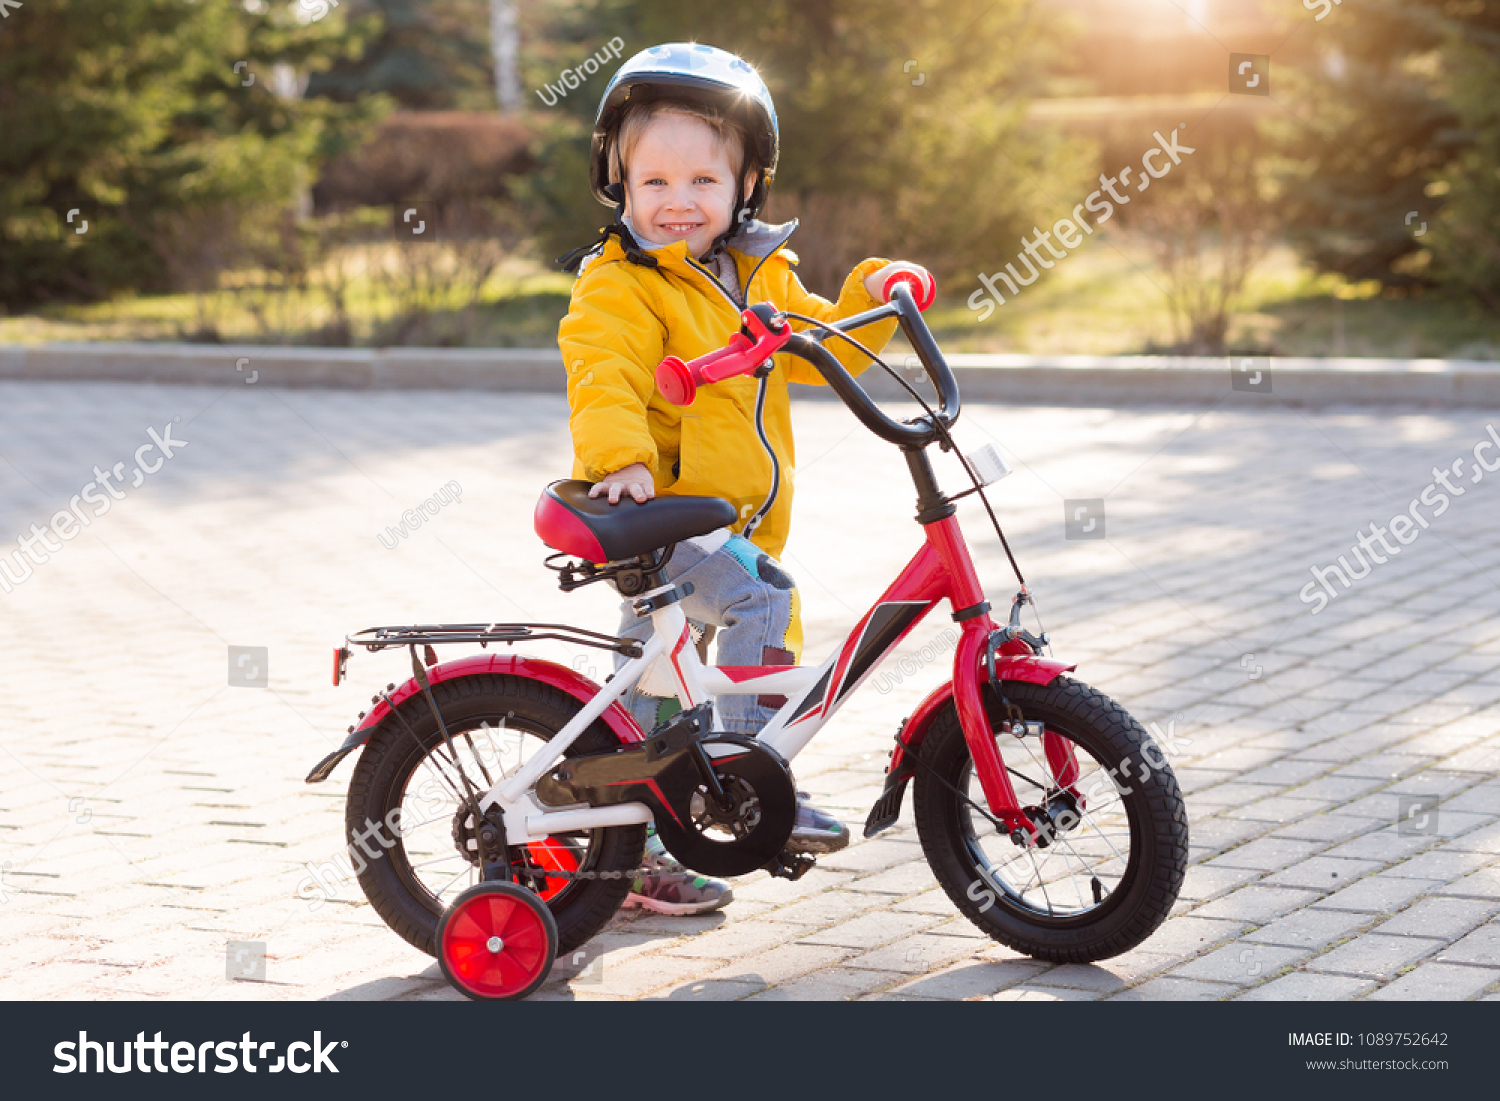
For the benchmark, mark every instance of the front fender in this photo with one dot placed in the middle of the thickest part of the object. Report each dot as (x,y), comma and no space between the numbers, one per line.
(1013,667)
(574,683)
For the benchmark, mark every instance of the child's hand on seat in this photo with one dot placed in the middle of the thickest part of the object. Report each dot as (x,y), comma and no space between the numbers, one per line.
(635,479)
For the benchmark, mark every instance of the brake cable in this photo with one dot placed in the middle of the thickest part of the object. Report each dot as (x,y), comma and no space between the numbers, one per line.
(942,430)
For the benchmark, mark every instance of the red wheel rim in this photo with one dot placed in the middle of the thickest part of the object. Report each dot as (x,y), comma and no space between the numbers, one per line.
(495,945)
(554,855)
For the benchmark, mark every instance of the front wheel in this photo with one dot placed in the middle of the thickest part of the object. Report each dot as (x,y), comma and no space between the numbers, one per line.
(1114,833)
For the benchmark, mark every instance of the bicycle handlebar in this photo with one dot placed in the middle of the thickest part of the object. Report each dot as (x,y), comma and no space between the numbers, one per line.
(679,381)
(767,332)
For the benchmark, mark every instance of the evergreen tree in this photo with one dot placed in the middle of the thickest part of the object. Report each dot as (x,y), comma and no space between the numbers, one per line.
(153,119)
(1386,115)
(428,55)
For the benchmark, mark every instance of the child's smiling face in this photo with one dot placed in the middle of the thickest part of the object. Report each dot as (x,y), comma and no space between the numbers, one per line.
(680,183)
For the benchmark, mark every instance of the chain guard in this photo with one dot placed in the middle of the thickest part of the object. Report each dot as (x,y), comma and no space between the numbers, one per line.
(667,772)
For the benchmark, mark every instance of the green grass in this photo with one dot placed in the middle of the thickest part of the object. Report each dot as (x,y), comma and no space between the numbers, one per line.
(1108,299)
(519,305)
(1104,299)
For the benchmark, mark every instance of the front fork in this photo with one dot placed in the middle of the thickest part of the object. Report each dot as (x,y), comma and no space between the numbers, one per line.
(968,696)
(973,663)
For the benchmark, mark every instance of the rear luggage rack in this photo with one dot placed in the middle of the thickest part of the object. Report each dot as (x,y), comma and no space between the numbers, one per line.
(436,634)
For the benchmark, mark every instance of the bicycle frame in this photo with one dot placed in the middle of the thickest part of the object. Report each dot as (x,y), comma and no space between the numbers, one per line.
(941,569)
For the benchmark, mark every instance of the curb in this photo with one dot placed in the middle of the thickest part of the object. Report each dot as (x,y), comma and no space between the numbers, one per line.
(1059,380)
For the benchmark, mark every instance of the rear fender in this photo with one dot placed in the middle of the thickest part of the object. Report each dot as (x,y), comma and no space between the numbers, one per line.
(574,683)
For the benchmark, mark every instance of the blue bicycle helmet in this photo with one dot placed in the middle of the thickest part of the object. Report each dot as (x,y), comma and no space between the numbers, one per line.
(703,74)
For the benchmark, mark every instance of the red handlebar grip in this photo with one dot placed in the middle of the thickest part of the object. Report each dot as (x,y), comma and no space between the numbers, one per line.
(679,381)
(924,291)
(675,381)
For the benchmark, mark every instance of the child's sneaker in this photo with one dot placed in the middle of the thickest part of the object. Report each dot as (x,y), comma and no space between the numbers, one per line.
(671,889)
(816,831)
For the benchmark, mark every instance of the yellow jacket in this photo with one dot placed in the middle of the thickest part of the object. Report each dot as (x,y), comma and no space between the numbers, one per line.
(625,317)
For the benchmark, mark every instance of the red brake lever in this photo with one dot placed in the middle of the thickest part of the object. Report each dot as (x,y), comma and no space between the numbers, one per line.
(679,381)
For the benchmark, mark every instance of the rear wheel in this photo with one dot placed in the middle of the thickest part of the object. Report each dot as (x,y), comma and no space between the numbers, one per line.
(1115,849)
(411,874)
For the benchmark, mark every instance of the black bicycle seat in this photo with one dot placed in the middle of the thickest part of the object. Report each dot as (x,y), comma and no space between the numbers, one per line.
(569,520)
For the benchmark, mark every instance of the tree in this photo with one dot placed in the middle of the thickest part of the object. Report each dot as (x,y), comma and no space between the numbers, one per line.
(1386,114)
(1466,238)
(901,123)
(427,55)
(152,121)
(505,45)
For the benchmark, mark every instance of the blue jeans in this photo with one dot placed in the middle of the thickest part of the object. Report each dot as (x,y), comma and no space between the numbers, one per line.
(744,592)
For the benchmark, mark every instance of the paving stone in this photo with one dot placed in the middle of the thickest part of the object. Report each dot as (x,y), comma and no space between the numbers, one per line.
(918,954)
(1377,894)
(1482,946)
(1256,904)
(1205,881)
(1322,873)
(1331,827)
(1025,993)
(1265,853)
(829,907)
(1440,865)
(871,930)
(1437,982)
(1484,883)
(1240,964)
(779,965)
(1436,916)
(1171,988)
(827,985)
(1106,975)
(1279,808)
(733,941)
(971,979)
(1310,928)
(1374,955)
(1301,986)
(1486,839)
(709,990)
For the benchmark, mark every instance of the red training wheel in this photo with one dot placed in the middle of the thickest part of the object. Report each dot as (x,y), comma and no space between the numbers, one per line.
(497,942)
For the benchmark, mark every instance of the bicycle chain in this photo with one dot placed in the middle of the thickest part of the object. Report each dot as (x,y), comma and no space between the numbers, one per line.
(633,873)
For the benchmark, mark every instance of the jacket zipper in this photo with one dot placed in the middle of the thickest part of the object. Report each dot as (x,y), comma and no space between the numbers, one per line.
(760,393)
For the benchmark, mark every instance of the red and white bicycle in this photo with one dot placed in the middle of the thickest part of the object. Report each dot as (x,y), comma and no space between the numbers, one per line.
(498,810)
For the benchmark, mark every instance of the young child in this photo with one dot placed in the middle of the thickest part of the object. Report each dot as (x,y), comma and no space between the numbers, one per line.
(684,147)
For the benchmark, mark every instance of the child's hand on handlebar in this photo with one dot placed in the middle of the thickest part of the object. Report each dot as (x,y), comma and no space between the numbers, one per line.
(635,479)
(923,286)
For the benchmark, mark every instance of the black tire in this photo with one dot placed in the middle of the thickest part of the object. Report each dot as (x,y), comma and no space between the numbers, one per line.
(520,710)
(980,867)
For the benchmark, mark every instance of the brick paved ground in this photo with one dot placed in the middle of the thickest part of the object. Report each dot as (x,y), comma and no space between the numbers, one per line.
(150,813)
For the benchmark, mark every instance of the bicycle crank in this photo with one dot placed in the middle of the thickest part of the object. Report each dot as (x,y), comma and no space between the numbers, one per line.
(723,803)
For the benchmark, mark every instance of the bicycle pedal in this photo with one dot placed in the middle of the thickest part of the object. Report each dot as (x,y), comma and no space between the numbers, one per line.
(790,865)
